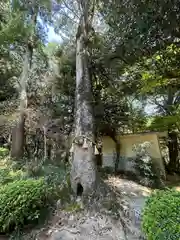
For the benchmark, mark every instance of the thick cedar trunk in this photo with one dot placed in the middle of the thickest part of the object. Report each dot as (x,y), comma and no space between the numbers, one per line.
(173,165)
(83,171)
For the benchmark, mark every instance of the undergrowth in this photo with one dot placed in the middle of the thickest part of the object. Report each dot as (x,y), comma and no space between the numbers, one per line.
(27,188)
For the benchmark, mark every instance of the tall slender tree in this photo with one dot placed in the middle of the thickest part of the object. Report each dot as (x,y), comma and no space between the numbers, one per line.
(34,36)
(18,134)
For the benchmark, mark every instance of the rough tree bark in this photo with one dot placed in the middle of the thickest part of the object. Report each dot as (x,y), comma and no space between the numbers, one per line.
(83,170)
(18,132)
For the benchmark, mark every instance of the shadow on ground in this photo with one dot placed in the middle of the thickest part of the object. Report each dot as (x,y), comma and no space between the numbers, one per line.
(114,213)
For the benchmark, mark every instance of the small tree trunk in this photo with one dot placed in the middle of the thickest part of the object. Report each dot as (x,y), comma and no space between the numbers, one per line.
(112,133)
(49,148)
(45,144)
(37,143)
(117,160)
(83,171)
(114,137)
(18,134)
(18,138)
(173,165)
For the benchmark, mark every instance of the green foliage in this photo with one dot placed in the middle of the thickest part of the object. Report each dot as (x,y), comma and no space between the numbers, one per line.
(9,170)
(161,218)
(139,23)
(148,171)
(160,123)
(51,173)
(157,78)
(58,178)
(161,70)
(55,176)
(9,71)
(3,152)
(14,30)
(21,202)
(26,191)
(8,175)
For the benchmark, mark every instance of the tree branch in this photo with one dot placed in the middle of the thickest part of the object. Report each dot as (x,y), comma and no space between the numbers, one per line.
(70,9)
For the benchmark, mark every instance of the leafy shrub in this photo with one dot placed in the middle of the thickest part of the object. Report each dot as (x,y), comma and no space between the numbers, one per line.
(7,175)
(161,219)
(58,178)
(44,168)
(148,174)
(55,176)
(3,152)
(21,202)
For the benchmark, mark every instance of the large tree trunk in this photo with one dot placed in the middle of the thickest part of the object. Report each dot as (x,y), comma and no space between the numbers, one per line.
(83,171)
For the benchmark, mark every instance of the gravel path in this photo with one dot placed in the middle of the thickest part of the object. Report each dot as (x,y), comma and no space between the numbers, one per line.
(134,193)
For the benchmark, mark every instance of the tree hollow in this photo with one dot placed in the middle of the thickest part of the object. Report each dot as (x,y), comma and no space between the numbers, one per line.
(79,190)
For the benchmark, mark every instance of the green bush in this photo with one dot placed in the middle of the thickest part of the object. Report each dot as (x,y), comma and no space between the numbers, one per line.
(21,202)
(3,152)
(55,176)
(8,175)
(161,216)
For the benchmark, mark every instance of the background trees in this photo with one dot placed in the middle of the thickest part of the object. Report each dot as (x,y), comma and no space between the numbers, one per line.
(133,60)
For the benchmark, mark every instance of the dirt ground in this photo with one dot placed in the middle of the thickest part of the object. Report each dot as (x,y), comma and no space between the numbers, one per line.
(114,218)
